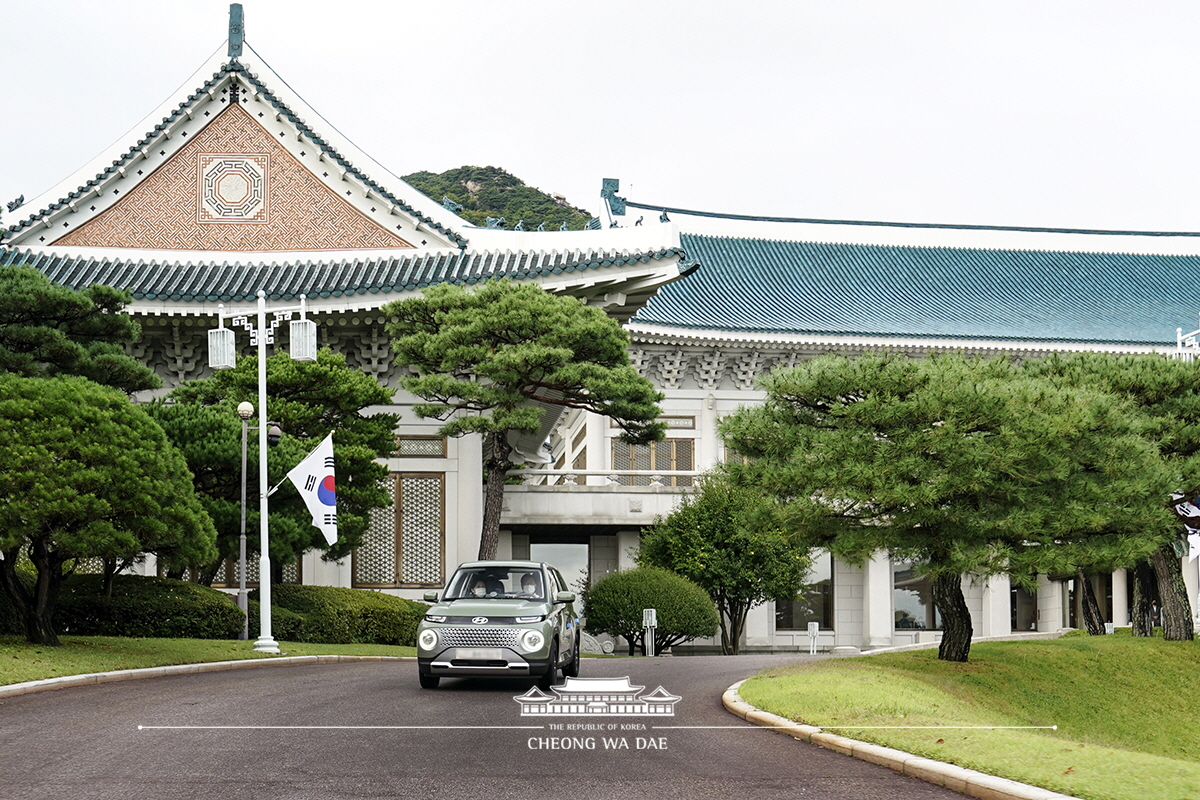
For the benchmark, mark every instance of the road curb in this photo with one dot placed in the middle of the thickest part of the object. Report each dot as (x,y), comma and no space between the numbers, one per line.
(959,779)
(68,681)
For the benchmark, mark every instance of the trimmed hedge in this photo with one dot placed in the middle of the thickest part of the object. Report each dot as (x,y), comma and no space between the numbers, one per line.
(162,608)
(159,608)
(334,615)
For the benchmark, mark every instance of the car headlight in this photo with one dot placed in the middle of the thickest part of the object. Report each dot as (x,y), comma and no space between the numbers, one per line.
(538,618)
(428,639)
(532,640)
(435,617)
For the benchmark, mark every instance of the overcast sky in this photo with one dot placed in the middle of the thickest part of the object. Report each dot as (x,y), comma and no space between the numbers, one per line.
(1066,114)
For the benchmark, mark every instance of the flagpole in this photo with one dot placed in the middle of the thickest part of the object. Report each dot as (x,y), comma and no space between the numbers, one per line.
(222,354)
(266,642)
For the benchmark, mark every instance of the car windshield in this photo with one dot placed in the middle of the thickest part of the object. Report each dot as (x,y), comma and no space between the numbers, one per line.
(496,583)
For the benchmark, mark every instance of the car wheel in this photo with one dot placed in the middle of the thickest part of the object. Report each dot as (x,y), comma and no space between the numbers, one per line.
(429,681)
(546,681)
(571,670)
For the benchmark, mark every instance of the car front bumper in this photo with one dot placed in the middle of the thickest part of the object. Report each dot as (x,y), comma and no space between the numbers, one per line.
(495,661)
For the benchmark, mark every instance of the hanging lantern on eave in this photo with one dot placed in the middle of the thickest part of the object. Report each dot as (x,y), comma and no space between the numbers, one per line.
(221,352)
(303,340)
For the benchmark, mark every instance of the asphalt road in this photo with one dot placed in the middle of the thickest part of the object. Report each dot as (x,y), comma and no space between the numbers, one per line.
(365,730)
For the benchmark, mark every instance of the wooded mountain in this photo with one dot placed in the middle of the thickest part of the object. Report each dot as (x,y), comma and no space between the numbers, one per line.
(491,192)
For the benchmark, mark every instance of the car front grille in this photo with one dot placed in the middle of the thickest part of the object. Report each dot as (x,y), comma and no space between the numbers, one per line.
(478,637)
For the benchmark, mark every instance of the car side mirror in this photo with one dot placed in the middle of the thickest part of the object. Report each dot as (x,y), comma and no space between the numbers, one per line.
(564,597)
(431,597)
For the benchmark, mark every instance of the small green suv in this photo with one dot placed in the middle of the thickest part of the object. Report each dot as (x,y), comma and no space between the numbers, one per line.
(500,619)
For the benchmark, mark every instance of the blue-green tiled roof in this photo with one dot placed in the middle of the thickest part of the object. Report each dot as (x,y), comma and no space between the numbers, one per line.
(758,285)
(232,282)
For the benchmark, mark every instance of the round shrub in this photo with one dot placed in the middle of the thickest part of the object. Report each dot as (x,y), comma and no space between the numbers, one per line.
(614,606)
(145,607)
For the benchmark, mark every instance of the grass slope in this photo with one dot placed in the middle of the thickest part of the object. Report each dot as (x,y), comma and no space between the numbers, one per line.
(80,655)
(1126,710)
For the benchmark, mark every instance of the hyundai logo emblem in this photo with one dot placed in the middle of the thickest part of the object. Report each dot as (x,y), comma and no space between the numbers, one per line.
(480,620)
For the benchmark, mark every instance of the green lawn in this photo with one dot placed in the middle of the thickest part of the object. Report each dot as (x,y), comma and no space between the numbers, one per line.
(1127,710)
(79,655)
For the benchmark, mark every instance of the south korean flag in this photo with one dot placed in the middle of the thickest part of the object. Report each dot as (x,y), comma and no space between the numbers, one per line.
(313,477)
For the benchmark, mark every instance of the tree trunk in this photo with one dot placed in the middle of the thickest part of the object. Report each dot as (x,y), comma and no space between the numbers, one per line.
(209,574)
(733,621)
(496,465)
(1172,595)
(722,617)
(39,616)
(1139,614)
(956,617)
(1093,620)
(13,588)
(111,567)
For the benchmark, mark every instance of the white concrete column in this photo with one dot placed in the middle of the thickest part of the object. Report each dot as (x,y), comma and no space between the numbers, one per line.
(758,626)
(1049,605)
(879,622)
(628,543)
(996,614)
(1191,571)
(1120,598)
(599,455)
(708,445)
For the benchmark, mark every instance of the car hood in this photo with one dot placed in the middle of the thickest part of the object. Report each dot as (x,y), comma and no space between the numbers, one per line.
(491,608)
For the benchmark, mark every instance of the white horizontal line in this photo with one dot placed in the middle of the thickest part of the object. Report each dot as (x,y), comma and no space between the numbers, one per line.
(337,727)
(944,727)
(862,727)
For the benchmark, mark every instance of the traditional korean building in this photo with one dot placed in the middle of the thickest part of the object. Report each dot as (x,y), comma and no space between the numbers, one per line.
(602,697)
(235,185)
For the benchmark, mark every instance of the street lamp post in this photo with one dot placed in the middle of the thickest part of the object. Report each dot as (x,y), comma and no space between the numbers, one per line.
(245,411)
(222,355)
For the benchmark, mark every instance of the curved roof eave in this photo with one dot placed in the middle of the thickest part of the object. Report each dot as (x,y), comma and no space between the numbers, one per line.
(619,281)
(712,337)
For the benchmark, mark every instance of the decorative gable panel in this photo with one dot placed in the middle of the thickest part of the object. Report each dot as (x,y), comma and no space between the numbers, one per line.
(233,188)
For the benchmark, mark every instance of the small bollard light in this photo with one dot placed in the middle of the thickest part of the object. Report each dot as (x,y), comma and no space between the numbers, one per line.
(814,628)
(649,623)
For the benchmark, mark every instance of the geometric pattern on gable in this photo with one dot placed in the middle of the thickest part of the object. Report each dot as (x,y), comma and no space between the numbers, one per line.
(233,172)
(233,187)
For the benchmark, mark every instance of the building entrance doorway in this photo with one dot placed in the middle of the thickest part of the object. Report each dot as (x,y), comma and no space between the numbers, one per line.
(571,560)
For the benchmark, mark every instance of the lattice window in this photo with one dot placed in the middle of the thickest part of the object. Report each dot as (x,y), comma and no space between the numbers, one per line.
(227,574)
(421,526)
(667,455)
(375,558)
(405,546)
(421,447)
